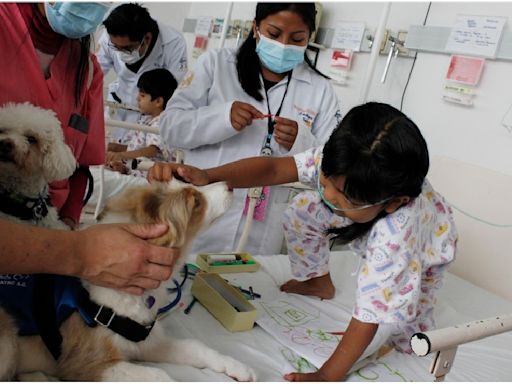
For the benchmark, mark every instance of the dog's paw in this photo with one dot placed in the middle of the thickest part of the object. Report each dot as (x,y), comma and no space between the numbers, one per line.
(239,371)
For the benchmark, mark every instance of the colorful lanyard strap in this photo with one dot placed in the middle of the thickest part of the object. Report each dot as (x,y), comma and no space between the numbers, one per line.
(266,150)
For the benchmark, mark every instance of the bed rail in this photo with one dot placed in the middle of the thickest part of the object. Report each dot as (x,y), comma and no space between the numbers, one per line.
(444,341)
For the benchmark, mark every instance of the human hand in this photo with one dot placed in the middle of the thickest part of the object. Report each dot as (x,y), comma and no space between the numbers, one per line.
(313,376)
(164,172)
(285,132)
(118,256)
(118,166)
(242,115)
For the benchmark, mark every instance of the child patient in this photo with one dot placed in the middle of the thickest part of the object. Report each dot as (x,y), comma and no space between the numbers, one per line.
(155,89)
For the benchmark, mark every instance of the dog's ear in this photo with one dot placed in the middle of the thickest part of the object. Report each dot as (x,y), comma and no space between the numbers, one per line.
(196,207)
(183,210)
(194,199)
(58,161)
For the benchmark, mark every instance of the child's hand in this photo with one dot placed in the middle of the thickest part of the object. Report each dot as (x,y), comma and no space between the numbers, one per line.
(285,132)
(118,166)
(164,172)
(313,376)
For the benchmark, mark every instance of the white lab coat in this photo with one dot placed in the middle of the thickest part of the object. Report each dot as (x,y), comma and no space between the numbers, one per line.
(169,52)
(197,119)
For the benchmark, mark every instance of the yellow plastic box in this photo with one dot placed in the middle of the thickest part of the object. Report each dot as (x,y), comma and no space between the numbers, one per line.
(252,266)
(224,302)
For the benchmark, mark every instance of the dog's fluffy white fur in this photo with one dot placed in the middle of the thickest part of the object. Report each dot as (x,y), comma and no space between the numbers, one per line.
(39,155)
(32,154)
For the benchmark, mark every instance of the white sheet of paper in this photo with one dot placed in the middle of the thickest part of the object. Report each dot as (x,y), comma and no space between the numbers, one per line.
(203,26)
(302,327)
(476,35)
(348,35)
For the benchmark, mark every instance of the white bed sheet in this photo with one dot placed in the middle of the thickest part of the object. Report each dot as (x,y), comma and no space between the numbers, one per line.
(489,359)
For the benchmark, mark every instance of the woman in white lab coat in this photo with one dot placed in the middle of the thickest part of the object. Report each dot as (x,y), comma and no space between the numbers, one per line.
(132,44)
(220,114)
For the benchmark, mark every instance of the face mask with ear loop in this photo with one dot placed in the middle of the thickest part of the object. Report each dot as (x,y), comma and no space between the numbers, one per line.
(320,189)
(75,19)
(277,57)
(133,56)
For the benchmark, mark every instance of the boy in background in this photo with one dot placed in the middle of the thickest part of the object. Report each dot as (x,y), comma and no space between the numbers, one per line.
(155,89)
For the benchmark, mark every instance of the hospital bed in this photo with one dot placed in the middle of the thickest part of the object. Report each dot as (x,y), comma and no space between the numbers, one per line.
(459,301)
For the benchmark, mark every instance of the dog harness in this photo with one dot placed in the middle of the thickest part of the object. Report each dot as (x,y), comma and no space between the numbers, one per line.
(25,208)
(41,303)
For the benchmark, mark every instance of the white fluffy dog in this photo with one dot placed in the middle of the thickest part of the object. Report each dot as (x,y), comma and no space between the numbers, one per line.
(109,328)
(32,153)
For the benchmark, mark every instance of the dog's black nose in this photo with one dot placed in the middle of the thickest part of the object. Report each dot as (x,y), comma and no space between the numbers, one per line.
(6,147)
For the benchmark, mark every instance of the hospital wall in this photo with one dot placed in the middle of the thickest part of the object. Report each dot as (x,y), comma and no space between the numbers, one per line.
(471,151)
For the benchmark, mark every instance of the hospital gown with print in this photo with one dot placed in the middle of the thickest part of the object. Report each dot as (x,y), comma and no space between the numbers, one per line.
(404,255)
(135,140)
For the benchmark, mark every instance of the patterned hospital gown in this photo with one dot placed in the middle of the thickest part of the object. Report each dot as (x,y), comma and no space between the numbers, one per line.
(137,139)
(404,255)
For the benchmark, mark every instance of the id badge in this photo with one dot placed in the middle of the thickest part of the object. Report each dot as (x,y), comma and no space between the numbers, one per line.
(261,205)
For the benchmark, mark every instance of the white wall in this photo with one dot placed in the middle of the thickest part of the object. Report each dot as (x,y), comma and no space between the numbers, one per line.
(170,12)
(472,142)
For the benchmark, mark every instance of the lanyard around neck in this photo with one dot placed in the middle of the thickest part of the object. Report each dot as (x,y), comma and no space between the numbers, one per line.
(266,149)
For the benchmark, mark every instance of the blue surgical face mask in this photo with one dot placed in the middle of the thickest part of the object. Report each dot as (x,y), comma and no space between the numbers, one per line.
(277,57)
(73,19)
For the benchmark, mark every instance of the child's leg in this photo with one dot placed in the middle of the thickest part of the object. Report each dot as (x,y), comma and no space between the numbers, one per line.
(306,222)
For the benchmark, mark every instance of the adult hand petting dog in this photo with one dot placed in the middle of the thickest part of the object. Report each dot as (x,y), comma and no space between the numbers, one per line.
(118,256)
(163,172)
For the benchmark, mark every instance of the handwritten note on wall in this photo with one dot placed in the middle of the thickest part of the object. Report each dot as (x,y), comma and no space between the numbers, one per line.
(476,35)
(348,35)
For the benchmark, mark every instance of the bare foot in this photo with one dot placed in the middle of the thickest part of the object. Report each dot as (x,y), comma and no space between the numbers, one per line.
(321,287)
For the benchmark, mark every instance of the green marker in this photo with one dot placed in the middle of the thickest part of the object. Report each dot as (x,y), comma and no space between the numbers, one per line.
(238,262)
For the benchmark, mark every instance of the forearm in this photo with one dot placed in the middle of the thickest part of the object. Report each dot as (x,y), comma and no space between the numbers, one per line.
(357,337)
(115,147)
(29,249)
(255,171)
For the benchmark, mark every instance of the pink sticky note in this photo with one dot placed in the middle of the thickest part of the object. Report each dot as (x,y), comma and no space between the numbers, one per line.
(465,70)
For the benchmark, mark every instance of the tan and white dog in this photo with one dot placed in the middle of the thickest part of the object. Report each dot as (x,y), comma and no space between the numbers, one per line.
(97,352)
